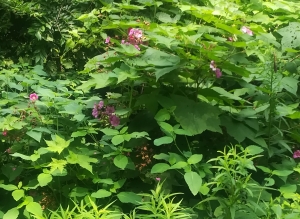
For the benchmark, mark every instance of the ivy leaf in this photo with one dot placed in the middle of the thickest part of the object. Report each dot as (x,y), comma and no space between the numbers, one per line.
(194,181)
(57,144)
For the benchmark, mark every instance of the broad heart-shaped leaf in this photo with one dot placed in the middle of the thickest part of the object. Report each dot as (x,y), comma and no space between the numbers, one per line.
(129,197)
(11,214)
(195,158)
(44,179)
(193,117)
(160,168)
(158,58)
(57,145)
(34,208)
(101,193)
(290,84)
(18,194)
(194,181)
(290,35)
(163,140)
(121,161)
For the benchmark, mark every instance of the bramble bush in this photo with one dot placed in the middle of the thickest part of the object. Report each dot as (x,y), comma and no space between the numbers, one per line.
(149,109)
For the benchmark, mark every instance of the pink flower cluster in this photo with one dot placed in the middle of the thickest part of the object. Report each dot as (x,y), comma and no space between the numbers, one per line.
(217,71)
(246,30)
(296,154)
(135,37)
(106,112)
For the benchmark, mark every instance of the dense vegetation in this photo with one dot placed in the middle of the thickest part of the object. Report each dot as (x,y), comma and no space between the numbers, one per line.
(149,109)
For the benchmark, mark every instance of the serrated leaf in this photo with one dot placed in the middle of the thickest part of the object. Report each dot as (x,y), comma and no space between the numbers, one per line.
(57,145)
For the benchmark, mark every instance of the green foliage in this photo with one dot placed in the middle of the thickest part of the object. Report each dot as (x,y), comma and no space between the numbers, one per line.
(102,100)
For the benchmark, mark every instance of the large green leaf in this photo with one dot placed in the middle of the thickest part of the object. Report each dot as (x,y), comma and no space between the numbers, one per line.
(129,197)
(34,208)
(121,161)
(101,193)
(44,179)
(194,181)
(11,214)
(58,144)
(194,117)
(160,168)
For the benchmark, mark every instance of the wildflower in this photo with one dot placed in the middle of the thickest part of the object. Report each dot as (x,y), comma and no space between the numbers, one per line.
(247,31)
(109,110)
(296,154)
(114,120)
(134,38)
(107,40)
(4,133)
(33,97)
(100,104)
(212,65)
(157,178)
(218,73)
(95,112)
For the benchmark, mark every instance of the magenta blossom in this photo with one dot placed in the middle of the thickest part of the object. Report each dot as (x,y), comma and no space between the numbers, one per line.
(109,110)
(107,40)
(218,73)
(33,97)
(135,38)
(114,120)
(296,154)
(247,31)
(4,133)
(214,68)
(157,178)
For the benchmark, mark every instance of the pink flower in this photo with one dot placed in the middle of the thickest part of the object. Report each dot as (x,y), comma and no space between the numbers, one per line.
(123,41)
(107,40)
(157,178)
(296,154)
(137,47)
(247,31)
(114,120)
(212,65)
(109,110)
(4,133)
(218,73)
(33,97)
